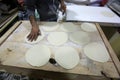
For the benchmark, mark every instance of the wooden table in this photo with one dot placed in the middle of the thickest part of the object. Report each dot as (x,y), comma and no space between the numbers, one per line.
(13,49)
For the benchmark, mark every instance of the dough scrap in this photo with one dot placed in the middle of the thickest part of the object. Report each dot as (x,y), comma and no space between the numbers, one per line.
(80,37)
(89,27)
(97,52)
(67,57)
(38,55)
(57,38)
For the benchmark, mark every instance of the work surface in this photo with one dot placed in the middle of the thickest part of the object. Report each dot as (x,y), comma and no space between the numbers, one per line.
(91,14)
(13,49)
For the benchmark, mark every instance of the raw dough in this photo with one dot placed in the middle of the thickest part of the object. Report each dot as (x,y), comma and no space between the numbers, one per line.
(89,27)
(80,37)
(57,38)
(50,26)
(40,37)
(69,27)
(107,14)
(38,55)
(67,57)
(96,51)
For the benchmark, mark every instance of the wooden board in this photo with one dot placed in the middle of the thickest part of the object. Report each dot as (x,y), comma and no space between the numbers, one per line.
(3,26)
(8,33)
(11,11)
(110,50)
(12,53)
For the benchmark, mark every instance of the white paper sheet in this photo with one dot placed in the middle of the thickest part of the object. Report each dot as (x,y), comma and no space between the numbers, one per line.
(90,14)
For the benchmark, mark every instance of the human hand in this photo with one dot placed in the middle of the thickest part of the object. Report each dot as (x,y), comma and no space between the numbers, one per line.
(21,2)
(63,8)
(35,32)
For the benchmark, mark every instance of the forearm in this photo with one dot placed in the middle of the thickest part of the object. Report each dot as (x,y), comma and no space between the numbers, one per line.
(63,6)
(62,2)
(35,29)
(31,11)
(33,21)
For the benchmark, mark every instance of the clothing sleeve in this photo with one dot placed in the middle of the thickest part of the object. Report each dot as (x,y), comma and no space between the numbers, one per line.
(59,1)
(30,4)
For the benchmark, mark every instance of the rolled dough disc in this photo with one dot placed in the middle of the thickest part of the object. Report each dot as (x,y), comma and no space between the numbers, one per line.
(89,27)
(69,27)
(80,37)
(40,37)
(107,14)
(38,55)
(97,52)
(67,57)
(50,26)
(57,38)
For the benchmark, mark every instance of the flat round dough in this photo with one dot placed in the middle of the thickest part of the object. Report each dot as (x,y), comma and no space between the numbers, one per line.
(40,37)
(89,27)
(67,57)
(50,26)
(69,27)
(107,14)
(80,37)
(97,52)
(38,55)
(57,38)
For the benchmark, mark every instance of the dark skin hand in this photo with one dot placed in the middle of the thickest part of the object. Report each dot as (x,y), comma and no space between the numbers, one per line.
(63,6)
(21,2)
(34,31)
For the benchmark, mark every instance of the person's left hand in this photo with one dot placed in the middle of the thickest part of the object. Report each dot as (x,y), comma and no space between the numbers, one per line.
(63,8)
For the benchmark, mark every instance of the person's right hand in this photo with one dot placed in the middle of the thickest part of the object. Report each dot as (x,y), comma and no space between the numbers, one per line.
(35,32)
(21,2)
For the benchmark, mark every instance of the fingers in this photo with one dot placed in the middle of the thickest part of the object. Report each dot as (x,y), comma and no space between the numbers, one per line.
(32,36)
(63,8)
(39,33)
(35,36)
(35,32)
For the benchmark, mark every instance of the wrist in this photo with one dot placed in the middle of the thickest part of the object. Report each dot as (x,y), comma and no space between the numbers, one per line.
(33,21)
